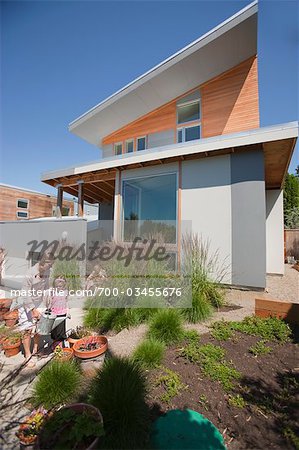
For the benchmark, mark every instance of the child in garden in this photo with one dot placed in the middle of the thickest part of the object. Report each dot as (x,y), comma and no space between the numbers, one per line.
(59,307)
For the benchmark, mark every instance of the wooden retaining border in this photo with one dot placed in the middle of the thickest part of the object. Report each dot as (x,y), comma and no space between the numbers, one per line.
(276,308)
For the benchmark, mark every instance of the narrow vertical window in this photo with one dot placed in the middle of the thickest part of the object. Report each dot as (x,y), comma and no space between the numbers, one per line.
(130,146)
(118,148)
(141,143)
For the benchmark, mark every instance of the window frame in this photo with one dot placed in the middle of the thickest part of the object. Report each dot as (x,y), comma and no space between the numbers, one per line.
(128,141)
(145,140)
(122,218)
(22,212)
(190,102)
(114,148)
(183,129)
(22,200)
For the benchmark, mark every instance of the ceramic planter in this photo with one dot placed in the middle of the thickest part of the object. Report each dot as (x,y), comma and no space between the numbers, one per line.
(65,355)
(72,341)
(90,341)
(11,318)
(11,348)
(79,408)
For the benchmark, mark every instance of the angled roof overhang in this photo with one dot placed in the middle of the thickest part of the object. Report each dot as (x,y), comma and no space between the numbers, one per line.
(277,142)
(222,48)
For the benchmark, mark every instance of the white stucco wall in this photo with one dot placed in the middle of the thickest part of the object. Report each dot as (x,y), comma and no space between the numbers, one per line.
(274,232)
(206,201)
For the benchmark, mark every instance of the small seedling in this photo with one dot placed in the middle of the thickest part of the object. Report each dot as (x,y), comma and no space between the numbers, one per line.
(204,401)
(172,384)
(237,401)
(221,331)
(260,348)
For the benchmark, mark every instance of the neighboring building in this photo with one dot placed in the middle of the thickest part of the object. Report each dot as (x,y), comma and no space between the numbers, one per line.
(18,203)
(183,143)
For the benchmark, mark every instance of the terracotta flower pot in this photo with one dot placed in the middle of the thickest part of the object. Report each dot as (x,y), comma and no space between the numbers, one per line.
(4,307)
(93,353)
(79,408)
(11,318)
(72,341)
(11,349)
(67,353)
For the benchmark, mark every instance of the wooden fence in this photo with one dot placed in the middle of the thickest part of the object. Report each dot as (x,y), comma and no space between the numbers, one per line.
(291,243)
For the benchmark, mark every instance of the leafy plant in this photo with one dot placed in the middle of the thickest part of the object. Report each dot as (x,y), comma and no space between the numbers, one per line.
(30,427)
(69,429)
(221,331)
(172,384)
(260,348)
(119,391)
(12,337)
(269,329)
(291,436)
(166,326)
(56,384)
(237,401)
(191,336)
(211,359)
(149,353)
(79,332)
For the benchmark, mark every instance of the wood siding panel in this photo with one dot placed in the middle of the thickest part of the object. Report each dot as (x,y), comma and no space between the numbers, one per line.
(230,101)
(161,119)
(39,205)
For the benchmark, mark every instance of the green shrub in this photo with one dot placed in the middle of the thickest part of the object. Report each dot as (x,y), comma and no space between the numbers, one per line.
(260,348)
(172,384)
(166,326)
(119,391)
(70,270)
(149,353)
(56,384)
(191,336)
(201,308)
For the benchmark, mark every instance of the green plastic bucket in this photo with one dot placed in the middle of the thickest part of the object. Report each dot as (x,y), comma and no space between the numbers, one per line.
(185,429)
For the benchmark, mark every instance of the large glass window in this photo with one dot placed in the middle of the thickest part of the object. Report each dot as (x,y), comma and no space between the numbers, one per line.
(188,112)
(149,207)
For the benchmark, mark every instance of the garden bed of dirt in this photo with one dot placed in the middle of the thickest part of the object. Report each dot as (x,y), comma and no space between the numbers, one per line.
(269,386)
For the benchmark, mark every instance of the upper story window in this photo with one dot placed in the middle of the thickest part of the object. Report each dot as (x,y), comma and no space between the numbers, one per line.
(22,203)
(188,112)
(141,143)
(22,214)
(130,146)
(118,148)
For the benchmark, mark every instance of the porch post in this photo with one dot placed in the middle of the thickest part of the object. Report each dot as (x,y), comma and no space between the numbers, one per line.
(80,198)
(59,200)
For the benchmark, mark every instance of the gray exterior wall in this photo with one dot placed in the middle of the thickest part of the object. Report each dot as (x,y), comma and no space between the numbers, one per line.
(274,231)
(107,151)
(161,138)
(248,219)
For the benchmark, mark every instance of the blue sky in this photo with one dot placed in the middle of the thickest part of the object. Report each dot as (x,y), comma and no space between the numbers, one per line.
(58,59)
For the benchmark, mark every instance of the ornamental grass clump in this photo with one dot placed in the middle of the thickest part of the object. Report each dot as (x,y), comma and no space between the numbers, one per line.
(166,326)
(149,353)
(207,273)
(56,384)
(119,392)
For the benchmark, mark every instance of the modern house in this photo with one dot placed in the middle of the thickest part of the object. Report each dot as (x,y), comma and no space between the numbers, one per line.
(17,203)
(183,143)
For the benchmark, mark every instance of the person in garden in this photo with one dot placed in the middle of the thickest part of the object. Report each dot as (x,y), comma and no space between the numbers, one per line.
(31,305)
(59,306)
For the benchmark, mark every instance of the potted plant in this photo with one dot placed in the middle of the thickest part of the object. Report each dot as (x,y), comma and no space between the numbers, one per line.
(4,306)
(63,353)
(77,426)
(11,318)
(90,347)
(11,344)
(4,332)
(77,333)
(31,426)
